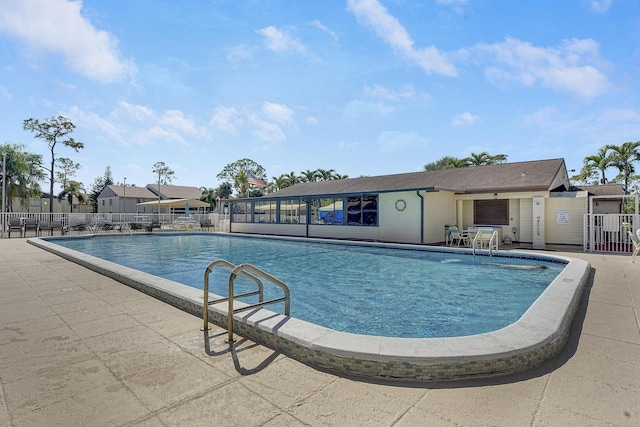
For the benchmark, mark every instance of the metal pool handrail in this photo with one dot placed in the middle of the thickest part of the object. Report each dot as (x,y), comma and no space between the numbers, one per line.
(242,269)
(207,303)
(248,271)
(478,238)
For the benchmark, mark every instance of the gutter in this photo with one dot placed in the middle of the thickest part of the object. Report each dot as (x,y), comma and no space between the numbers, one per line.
(421,216)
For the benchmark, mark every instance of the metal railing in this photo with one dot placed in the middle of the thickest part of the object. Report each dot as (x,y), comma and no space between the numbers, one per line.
(480,240)
(252,273)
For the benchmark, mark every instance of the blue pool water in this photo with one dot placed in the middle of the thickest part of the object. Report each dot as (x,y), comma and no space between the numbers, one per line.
(364,290)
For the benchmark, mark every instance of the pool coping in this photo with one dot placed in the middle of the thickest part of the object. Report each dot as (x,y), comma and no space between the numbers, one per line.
(541,333)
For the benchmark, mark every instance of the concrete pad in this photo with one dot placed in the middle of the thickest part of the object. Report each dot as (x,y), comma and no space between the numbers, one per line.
(116,365)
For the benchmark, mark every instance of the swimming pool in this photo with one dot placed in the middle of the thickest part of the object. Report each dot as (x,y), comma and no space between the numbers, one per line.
(359,289)
(539,334)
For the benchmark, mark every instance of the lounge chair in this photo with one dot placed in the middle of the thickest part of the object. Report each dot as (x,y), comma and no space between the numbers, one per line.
(205,223)
(155,223)
(45,226)
(635,241)
(457,237)
(58,225)
(51,226)
(15,224)
(31,224)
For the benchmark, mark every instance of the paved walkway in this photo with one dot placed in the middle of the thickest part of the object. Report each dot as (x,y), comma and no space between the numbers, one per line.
(77,349)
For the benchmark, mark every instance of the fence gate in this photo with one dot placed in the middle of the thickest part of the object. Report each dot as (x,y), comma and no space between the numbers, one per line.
(604,232)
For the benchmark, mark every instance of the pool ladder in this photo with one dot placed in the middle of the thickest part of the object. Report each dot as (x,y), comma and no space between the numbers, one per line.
(480,238)
(250,272)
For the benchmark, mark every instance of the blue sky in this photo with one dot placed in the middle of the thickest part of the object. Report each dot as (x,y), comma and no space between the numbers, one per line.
(365,87)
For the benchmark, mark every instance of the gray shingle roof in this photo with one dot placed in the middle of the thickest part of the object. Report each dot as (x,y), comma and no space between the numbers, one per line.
(176,191)
(132,192)
(536,175)
(603,190)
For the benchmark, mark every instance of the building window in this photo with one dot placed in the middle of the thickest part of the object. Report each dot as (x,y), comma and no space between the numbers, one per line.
(264,212)
(362,210)
(292,212)
(328,210)
(491,212)
(241,211)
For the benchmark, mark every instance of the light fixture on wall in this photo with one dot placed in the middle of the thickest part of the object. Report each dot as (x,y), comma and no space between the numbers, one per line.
(495,195)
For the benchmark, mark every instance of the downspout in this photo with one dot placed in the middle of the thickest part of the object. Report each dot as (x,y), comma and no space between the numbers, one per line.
(308,214)
(421,216)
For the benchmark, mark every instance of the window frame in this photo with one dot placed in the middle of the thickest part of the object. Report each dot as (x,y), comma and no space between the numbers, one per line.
(492,211)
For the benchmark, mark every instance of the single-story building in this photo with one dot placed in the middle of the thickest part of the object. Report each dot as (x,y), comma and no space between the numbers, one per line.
(524,201)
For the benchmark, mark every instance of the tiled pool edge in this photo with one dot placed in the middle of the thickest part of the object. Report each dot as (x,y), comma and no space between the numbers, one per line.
(541,334)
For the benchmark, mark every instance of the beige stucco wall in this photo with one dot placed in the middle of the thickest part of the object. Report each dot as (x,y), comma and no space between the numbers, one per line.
(431,211)
(399,226)
(440,210)
(565,218)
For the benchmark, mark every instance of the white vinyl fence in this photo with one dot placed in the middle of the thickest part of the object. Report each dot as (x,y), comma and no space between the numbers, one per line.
(80,223)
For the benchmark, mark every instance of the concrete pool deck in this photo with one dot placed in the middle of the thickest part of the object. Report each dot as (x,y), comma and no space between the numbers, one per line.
(78,348)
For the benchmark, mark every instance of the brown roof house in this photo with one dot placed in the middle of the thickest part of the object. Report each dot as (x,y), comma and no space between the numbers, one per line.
(520,200)
(121,199)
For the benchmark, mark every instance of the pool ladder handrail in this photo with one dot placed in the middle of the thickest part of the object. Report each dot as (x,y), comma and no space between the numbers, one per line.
(252,273)
(478,239)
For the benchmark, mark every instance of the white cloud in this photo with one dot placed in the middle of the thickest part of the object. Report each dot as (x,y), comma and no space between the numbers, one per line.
(357,109)
(176,120)
(138,124)
(451,2)
(4,92)
(227,119)
(311,120)
(386,94)
(277,112)
(239,53)
(57,26)
(265,130)
(270,123)
(280,41)
(387,27)
(600,6)
(109,128)
(391,141)
(322,27)
(465,119)
(573,66)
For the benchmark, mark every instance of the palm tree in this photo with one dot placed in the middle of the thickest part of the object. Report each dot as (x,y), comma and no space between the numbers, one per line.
(210,196)
(280,182)
(71,190)
(479,159)
(309,175)
(326,174)
(23,174)
(447,162)
(622,158)
(241,182)
(600,161)
(291,177)
(339,176)
(587,176)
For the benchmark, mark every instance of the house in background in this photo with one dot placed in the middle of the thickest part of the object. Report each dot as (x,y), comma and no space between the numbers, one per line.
(524,201)
(121,199)
(41,205)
